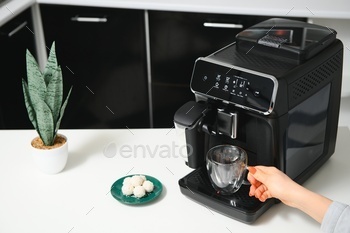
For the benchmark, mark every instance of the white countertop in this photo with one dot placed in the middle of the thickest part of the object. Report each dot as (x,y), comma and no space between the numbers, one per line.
(79,200)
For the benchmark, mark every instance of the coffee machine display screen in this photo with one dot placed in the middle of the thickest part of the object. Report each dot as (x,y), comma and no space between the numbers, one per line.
(234,85)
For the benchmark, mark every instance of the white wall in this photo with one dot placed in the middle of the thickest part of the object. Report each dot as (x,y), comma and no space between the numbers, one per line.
(342,26)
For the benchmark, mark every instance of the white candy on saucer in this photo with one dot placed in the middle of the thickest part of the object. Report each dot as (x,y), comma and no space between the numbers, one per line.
(148,185)
(136,180)
(127,180)
(137,185)
(127,189)
(139,191)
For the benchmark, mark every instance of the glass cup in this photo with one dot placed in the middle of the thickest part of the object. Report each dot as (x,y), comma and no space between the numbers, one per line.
(227,168)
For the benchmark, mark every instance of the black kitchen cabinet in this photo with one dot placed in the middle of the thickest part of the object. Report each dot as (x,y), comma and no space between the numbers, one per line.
(177,39)
(16,36)
(102,54)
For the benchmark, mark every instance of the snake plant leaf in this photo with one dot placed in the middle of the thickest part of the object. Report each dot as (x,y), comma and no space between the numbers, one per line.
(51,65)
(44,119)
(62,111)
(36,83)
(28,103)
(54,94)
(43,95)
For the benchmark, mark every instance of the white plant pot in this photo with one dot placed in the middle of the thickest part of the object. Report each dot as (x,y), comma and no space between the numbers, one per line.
(51,161)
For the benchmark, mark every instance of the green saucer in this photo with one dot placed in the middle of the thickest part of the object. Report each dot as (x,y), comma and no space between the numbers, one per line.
(116,191)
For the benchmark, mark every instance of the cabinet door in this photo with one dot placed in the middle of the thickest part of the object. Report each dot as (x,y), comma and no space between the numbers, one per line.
(102,54)
(15,37)
(177,39)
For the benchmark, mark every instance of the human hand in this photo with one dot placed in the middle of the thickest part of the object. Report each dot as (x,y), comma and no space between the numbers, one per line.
(268,182)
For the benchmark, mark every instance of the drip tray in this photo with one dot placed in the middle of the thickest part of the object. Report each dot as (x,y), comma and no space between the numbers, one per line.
(239,206)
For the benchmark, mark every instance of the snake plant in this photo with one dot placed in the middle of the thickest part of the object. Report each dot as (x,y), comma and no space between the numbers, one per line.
(43,96)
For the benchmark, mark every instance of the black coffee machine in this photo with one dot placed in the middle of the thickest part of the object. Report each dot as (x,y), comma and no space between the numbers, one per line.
(275,92)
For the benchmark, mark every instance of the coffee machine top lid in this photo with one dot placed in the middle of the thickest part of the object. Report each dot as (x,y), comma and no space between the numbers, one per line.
(284,38)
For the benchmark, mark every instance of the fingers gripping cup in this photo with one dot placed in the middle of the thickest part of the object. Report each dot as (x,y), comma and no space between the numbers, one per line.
(227,168)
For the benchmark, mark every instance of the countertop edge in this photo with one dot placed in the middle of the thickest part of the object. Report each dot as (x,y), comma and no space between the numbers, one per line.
(12,8)
(208,7)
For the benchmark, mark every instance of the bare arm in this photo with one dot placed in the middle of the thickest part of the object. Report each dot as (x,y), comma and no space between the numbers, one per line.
(268,182)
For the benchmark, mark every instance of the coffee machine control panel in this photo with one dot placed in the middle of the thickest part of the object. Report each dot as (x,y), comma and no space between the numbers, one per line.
(234,85)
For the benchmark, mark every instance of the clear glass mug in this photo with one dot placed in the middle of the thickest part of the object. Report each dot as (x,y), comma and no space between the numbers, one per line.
(227,167)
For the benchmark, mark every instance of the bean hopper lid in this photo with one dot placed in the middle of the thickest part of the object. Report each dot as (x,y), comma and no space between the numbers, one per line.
(291,40)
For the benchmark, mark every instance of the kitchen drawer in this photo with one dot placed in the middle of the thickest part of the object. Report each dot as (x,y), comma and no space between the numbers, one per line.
(102,54)
(16,36)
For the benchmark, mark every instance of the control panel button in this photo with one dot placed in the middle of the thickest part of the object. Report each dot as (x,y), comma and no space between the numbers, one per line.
(242,84)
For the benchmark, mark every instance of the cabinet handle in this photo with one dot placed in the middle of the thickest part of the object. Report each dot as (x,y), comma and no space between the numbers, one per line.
(17,29)
(89,19)
(222,25)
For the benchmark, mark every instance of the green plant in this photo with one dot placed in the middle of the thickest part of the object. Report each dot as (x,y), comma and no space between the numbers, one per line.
(43,96)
